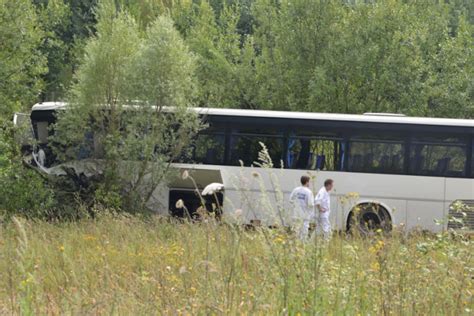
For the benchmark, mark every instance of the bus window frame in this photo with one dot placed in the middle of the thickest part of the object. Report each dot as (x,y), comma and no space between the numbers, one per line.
(230,143)
(470,157)
(415,140)
(208,133)
(340,139)
(360,140)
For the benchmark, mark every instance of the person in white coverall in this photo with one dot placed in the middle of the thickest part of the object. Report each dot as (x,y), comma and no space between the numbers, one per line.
(302,200)
(323,209)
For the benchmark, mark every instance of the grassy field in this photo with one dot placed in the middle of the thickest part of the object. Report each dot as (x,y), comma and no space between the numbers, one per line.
(127,265)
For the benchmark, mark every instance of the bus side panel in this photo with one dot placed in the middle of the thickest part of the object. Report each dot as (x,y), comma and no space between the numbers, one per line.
(459,189)
(413,200)
(423,215)
(261,194)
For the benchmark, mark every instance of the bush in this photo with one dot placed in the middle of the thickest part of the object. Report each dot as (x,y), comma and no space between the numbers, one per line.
(22,190)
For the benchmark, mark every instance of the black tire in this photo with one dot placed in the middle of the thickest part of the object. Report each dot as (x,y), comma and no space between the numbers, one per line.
(368,218)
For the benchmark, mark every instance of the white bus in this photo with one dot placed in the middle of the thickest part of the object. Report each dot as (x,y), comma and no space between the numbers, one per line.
(405,170)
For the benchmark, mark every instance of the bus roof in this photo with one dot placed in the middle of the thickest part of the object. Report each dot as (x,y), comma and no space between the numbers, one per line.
(368,118)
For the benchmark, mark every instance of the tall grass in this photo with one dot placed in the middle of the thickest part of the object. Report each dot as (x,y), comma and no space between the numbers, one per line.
(130,265)
(122,264)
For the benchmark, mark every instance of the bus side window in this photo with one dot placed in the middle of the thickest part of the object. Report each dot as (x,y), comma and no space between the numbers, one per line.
(209,149)
(314,154)
(246,148)
(438,159)
(376,156)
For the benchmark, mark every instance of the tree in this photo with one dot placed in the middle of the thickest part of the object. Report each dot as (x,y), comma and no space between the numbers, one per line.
(359,56)
(213,35)
(123,85)
(66,24)
(21,62)
(23,190)
(451,89)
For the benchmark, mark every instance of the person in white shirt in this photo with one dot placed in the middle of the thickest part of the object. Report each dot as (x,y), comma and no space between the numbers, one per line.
(302,200)
(323,209)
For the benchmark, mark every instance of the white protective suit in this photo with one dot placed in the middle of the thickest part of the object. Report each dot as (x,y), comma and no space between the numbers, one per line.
(302,200)
(322,217)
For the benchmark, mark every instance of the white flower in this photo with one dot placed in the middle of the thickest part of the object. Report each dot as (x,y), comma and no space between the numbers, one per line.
(212,188)
(238,212)
(179,204)
(185,175)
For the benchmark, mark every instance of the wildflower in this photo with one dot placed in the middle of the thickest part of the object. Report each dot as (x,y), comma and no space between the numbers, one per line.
(28,280)
(238,212)
(212,188)
(377,247)
(179,203)
(375,266)
(185,175)
(279,240)
(353,195)
(61,248)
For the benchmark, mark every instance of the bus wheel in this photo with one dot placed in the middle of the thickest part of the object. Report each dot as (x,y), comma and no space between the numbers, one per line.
(368,218)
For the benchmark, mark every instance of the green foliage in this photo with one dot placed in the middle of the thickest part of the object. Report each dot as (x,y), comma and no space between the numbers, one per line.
(381,57)
(124,82)
(385,56)
(451,92)
(21,62)
(348,56)
(215,39)
(162,72)
(65,24)
(22,190)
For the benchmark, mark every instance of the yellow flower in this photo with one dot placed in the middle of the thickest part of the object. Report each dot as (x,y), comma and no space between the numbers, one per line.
(61,248)
(377,247)
(280,239)
(375,266)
